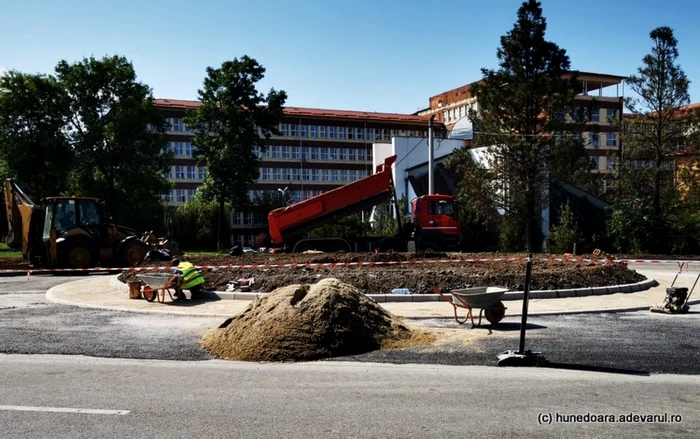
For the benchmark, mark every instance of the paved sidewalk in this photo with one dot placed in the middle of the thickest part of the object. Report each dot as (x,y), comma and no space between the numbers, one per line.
(97,292)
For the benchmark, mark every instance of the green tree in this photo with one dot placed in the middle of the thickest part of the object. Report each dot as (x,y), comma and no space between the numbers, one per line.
(118,136)
(195,223)
(659,124)
(565,234)
(35,150)
(231,121)
(521,107)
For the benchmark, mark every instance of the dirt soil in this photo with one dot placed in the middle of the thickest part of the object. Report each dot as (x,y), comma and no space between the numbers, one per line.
(417,277)
(310,322)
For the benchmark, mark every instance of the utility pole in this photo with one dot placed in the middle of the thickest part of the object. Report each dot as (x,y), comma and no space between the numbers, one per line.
(431,187)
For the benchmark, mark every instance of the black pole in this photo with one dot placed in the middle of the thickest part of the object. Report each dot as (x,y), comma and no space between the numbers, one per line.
(526,299)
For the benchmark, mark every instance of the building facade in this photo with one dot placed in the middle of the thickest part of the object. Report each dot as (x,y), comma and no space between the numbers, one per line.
(451,108)
(317,150)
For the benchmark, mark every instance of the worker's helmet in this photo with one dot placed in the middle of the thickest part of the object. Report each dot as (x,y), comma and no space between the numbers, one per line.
(176,261)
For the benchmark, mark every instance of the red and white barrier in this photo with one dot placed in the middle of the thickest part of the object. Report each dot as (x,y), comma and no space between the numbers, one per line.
(681,265)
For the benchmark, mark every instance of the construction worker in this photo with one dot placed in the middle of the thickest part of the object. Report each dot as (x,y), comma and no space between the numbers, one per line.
(191,278)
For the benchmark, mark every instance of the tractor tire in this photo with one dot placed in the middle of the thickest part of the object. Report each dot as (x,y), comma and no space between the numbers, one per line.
(133,252)
(79,254)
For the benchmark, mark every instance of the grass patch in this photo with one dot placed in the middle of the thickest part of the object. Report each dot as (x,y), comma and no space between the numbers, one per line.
(7,252)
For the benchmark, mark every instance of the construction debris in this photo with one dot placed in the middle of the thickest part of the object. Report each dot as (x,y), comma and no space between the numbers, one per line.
(310,322)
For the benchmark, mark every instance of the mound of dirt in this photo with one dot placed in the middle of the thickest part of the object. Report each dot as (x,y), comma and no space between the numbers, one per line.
(310,322)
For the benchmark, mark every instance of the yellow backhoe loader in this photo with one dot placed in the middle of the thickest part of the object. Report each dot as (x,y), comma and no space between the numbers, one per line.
(68,232)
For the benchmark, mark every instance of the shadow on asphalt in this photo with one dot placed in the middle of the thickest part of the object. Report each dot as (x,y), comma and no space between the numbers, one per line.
(587,368)
(514,326)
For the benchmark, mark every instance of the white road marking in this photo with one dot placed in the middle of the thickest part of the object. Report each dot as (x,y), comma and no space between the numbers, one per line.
(23,408)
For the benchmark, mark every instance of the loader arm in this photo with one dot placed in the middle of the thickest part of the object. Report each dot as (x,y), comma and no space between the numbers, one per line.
(19,208)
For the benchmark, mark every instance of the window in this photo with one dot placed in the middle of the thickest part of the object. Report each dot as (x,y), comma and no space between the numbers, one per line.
(594,163)
(287,174)
(611,139)
(611,163)
(201,172)
(334,175)
(296,196)
(306,174)
(595,115)
(181,196)
(353,175)
(361,173)
(333,154)
(305,153)
(189,149)
(377,134)
(178,148)
(89,216)
(611,114)
(169,173)
(266,153)
(296,152)
(179,172)
(385,135)
(286,152)
(177,124)
(168,148)
(369,154)
(594,140)
(309,194)
(361,155)
(351,155)
(312,131)
(331,132)
(303,130)
(190,172)
(169,197)
(296,174)
(322,132)
(275,152)
(284,129)
(351,133)
(343,175)
(341,132)
(325,175)
(276,174)
(266,174)
(324,153)
(343,153)
(314,153)
(191,193)
(315,175)
(360,134)
(293,131)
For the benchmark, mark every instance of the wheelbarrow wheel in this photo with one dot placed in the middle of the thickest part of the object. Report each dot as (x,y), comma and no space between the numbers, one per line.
(150,294)
(495,313)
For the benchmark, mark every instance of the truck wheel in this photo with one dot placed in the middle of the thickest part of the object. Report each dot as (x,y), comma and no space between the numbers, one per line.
(133,252)
(79,254)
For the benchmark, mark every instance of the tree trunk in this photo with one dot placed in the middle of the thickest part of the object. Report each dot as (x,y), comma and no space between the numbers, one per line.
(219,243)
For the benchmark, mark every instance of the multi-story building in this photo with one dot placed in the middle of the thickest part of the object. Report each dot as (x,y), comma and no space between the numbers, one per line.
(602,141)
(317,150)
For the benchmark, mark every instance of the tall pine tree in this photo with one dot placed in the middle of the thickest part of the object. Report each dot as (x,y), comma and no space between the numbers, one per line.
(660,124)
(522,115)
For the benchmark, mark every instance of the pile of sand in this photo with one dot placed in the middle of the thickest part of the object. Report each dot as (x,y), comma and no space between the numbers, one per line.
(310,322)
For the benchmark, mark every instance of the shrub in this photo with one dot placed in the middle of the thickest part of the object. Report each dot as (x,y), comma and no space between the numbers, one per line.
(565,234)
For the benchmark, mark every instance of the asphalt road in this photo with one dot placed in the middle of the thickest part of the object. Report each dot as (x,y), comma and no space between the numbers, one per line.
(639,342)
(224,399)
(29,324)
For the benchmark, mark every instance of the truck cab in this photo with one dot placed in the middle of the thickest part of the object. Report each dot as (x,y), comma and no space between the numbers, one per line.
(435,216)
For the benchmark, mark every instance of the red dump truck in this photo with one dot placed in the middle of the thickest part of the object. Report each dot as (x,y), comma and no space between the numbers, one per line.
(434,224)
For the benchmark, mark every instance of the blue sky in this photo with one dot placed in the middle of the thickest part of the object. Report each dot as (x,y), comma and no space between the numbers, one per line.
(379,55)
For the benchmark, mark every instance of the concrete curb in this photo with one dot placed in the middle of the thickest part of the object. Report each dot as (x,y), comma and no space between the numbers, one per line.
(384,298)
